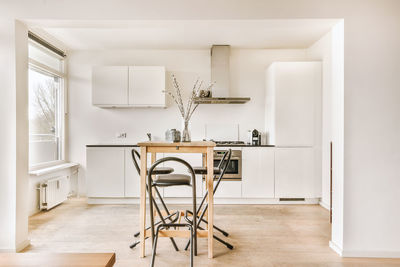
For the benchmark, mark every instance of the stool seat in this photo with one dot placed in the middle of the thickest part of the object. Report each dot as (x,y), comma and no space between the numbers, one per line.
(172,179)
(203,170)
(162,170)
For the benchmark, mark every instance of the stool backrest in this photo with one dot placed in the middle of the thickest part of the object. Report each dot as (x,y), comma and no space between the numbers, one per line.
(193,180)
(136,159)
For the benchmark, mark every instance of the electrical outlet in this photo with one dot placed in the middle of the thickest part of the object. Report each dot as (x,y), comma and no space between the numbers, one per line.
(120,135)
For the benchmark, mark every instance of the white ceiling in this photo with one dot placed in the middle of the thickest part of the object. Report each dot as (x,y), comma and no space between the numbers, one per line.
(184,34)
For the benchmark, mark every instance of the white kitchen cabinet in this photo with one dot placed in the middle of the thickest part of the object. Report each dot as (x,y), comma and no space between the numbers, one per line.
(146,86)
(228,189)
(110,86)
(105,172)
(258,164)
(194,159)
(294,173)
(133,86)
(293,103)
(132,178)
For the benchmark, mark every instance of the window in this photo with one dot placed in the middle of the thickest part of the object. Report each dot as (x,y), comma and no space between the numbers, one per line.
(46,106)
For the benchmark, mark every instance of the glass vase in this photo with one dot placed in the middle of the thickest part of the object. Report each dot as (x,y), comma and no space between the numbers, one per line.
(185,131)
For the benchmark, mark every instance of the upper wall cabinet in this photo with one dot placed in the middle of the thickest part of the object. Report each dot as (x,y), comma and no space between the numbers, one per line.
(146,86)
(123,86)
(110,86)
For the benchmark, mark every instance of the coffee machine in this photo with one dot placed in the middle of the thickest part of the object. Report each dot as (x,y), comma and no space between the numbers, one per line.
(254,138)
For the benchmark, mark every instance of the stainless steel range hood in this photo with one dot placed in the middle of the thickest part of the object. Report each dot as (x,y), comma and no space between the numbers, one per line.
(220,55)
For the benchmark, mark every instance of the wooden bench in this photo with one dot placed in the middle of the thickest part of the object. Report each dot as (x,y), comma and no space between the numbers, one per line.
(57,259)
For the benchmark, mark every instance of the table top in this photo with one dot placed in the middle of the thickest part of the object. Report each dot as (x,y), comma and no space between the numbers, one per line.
(57,259)
(182,144)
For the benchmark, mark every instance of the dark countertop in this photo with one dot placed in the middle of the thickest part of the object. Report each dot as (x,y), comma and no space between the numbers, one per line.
(131,145)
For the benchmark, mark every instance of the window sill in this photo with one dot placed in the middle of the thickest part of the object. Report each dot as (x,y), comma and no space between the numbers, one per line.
(53,168)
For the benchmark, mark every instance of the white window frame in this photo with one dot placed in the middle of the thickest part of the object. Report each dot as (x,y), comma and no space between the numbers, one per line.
(63,103)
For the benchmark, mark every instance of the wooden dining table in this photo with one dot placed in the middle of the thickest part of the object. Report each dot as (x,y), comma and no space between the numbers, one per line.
(154,147)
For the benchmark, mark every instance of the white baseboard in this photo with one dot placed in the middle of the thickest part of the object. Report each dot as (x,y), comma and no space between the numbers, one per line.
(363,254)
(324,205)
(370,254)
(217,201)
(19,247)
(336,248)
(22,245)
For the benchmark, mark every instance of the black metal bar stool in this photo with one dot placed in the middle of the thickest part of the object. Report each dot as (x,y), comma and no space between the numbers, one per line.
(172,217)
(220,170)
(172,179)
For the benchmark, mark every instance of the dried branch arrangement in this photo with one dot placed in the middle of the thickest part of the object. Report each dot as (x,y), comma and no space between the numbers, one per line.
(187,112)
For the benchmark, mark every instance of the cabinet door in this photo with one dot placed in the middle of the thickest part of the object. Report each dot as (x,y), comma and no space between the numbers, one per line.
(258,172)
(227,189)
(132,177)
(195,159)
(105,172)
(298,89)
(294,173)
(146,86)
(110,85)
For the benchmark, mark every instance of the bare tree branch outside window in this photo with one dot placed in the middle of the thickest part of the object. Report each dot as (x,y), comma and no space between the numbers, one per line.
(44,105)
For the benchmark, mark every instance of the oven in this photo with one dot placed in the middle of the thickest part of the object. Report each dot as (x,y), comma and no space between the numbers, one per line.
(234,170)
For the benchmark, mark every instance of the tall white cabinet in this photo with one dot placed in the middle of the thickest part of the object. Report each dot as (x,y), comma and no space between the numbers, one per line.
(293,102)
(293,124)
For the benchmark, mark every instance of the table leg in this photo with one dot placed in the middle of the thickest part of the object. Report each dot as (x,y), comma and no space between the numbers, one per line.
(205,166)
(210,198)
(153,191)
(143,170)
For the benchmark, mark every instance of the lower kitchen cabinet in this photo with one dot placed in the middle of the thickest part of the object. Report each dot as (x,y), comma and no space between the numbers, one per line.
(294,173)
(132,177)
(227,189)
(266,173)
(105,172)
(258,172)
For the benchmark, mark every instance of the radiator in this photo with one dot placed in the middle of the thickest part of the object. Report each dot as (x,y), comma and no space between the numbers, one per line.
(53,192)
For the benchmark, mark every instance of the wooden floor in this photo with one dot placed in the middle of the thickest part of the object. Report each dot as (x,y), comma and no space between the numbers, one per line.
(263,235)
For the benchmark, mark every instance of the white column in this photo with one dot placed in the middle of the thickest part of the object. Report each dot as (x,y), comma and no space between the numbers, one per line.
(13,136)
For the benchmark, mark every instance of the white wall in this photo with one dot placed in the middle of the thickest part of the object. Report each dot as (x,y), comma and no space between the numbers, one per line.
(329,49)
(371,108)
(90,125)
(338,126)
(13,135)
(22,134)
(7,136)
(322,50)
